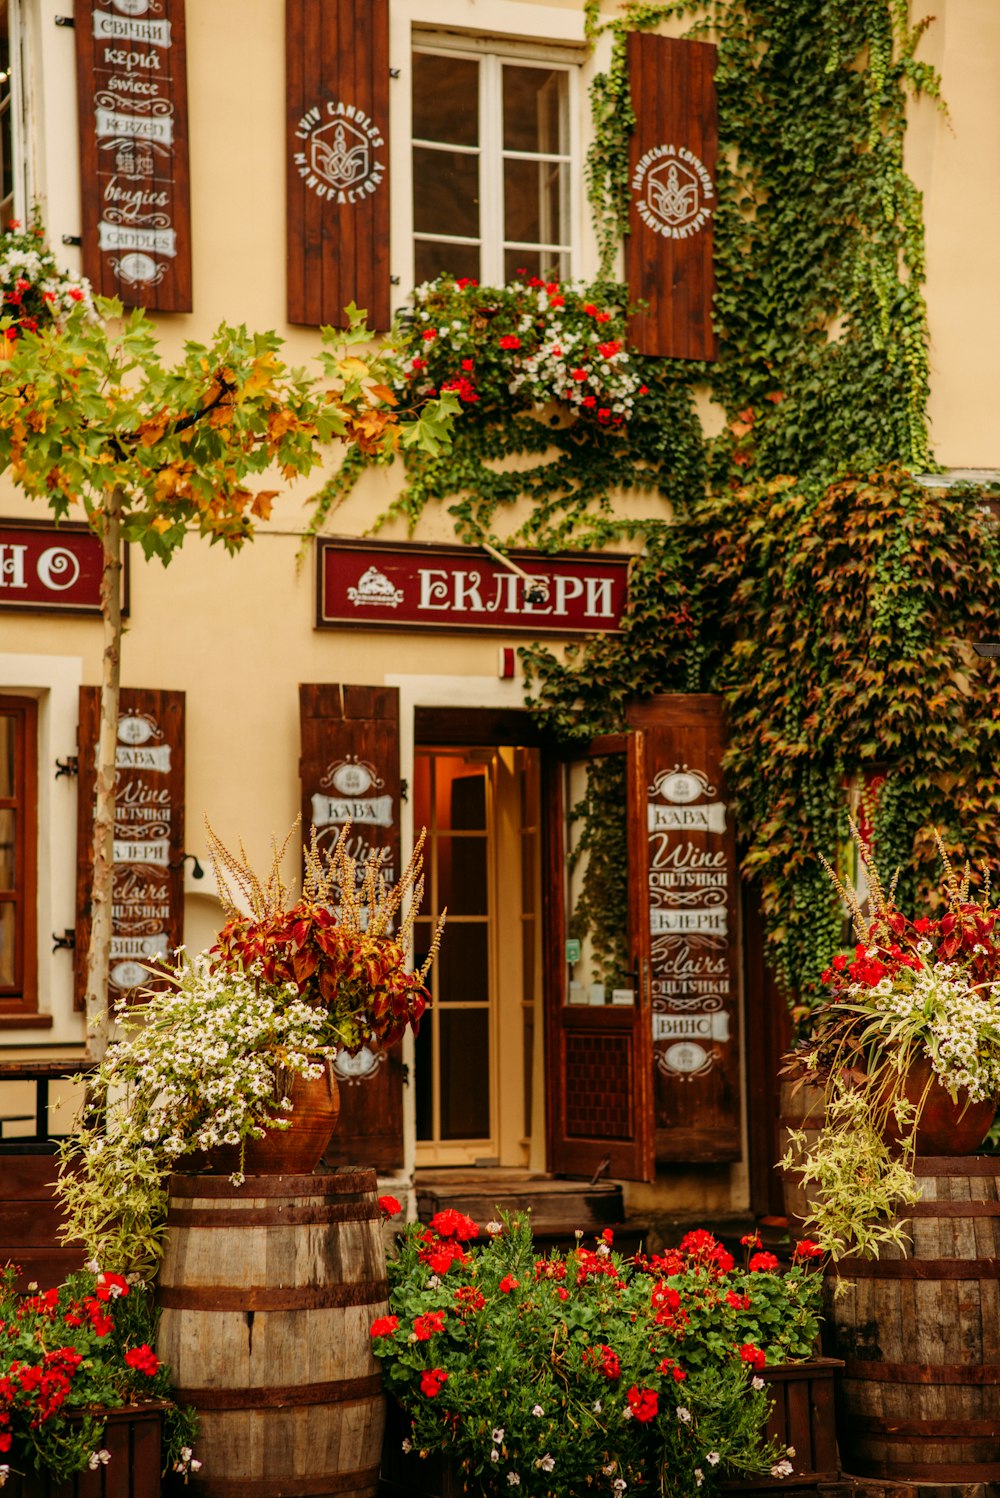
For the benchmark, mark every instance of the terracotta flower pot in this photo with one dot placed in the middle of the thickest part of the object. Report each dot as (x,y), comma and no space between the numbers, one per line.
(945,1127)
(293,1151)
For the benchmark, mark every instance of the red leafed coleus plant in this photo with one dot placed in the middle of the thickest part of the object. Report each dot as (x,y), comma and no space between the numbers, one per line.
(342,946)
(585,1371)
(67,1356)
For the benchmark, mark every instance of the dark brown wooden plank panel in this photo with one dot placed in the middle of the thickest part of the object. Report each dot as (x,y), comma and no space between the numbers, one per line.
(690,927)
(149,787)
(349,768)
(134,171)
(673,157)
(337,112)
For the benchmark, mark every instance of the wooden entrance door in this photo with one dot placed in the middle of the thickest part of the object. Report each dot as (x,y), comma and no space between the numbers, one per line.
(598,1030)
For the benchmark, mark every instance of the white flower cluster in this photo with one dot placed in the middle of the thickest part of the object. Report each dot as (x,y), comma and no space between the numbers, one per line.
(609,384)
(38,267)
(201,1065)
(956,1022)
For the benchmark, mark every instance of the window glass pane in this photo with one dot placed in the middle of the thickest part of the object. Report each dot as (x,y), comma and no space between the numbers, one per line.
(8,870)
(465,1074)
(431,259)
(422,933)
(534,198)
(535,110)
(463,964)
(8,730)
(424,1079)
(521,263)
(8,953)
(446,99)
(461,796)
(445,192)
(462,876)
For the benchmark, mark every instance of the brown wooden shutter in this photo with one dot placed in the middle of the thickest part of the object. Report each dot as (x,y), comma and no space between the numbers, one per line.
(134,179)
(672,195)
(688,886)
(350,771)
(337,167)
(148,905)
(598,1062)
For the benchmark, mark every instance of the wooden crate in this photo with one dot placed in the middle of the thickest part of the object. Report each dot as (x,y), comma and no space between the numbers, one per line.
(133,1438)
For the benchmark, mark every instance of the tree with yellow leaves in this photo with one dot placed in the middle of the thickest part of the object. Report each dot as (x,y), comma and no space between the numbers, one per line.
(92,415)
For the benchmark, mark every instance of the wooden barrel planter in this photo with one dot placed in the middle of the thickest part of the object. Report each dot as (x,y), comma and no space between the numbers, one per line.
(802,1107)
(267,1294)
(920,1336)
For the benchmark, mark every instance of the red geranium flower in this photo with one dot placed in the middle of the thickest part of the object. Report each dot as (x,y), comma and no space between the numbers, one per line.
(389,1206)
(644,1403)
(432,1380)
(384,1326)
(143,1359)
(428,1325)
(752,1355)
(507,1284)
(509,340)
(762,1263)
(807,1249)
(452,1224)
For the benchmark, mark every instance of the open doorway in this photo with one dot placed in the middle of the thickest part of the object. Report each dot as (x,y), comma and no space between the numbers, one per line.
(478,1053)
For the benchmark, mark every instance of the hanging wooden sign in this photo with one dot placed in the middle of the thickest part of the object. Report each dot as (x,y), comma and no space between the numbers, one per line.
(135,187)
(337,160)
(672,195)
(53,568)
(350,773)
(147,912)
(689,938)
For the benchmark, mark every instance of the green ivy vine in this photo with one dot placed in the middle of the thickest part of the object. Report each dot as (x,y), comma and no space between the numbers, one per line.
(791,562)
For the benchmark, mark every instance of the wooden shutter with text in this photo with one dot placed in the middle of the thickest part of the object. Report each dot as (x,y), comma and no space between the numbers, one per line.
(672,196)
(599,1115)
(687,885)
(350,772)
(148,900)
(134,177)
(337,162)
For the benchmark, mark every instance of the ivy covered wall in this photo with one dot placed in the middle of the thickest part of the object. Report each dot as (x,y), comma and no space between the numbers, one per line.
(792,561)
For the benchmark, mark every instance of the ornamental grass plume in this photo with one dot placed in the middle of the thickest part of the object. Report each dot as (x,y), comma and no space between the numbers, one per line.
(343,945)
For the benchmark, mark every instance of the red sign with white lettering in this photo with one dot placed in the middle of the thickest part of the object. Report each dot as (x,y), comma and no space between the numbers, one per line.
(460,588)
(51,568)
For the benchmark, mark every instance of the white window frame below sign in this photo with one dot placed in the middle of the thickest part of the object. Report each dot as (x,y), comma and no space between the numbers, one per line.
(15,86)
(494,32)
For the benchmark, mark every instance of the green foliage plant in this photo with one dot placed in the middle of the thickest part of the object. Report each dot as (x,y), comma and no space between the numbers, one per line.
(206,1061)
(554,1375)
(913,1012)
(92,414)
(556,411)
(67,1356)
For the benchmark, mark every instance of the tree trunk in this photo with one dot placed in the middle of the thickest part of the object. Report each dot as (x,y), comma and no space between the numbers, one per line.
(101,890)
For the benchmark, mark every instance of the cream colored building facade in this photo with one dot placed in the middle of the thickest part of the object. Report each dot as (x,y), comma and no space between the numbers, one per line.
(237,636)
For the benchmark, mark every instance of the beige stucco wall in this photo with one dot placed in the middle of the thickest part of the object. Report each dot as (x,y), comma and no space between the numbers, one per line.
(956,164)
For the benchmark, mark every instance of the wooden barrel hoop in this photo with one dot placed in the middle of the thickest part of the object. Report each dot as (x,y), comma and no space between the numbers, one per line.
(267,1295)
(920,1336)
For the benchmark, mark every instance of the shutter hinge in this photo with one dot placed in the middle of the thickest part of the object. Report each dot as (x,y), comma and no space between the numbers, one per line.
(70,766)
(65,21)
(395,280)
(197,872)
(395,72)
(72,239)
(404,790)
(66,942)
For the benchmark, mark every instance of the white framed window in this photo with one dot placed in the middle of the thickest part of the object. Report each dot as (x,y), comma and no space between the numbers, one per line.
(495,163)
(13,146)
